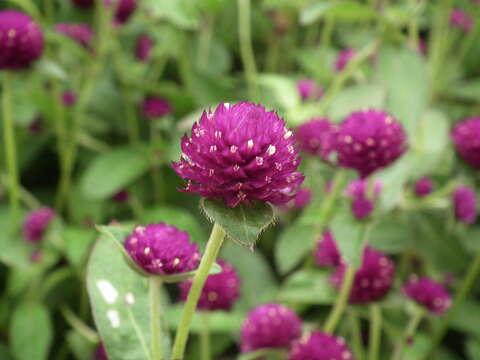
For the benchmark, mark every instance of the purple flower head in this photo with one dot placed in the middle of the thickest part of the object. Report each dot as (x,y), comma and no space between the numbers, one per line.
(465,204)
(327,254)
(69,98)
(155,107)
(83,4)
(372,281)
(466,138)
(162,249)
(428,293)
(124,9)
(219,292)
(21,40)
(37,223)
(362,204)
(302,199)
(240,153)
(370,140)
(317,137)
(461,20)
(269,326)
(143,47)
(320,346)
(344,58)
(121,197)
(308,90)
(100,352)
(81,33)
(423,186)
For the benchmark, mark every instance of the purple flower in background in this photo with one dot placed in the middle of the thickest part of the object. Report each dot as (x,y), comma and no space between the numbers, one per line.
(308,90)
(143,47)
(36,125)
(429,294)
(162,249)
(36,223)
(219,292)
(363,203)
(100,352)
(83,4)
(69,98)
(302,199)
(155,107)
(317,137)
(240,153)
(269,326)
(36,256)
(327,254)
(320,346)
(370,140)
(124,9)
(372,281)
(466,138)
(344,58)
(423,186)
(81,33)
(21,40)
(121,197)
(422,47)
(461,20)
(465,204)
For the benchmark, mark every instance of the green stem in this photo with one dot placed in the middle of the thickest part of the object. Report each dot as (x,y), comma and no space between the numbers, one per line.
(327,33)
(155,284)
(204,42)
(409,332)
(261,353)
(375,331)
(156,163)
(273,53)
(205,337)
(79,326)
(213,247)
(246,49)
(357,343)
(413,24)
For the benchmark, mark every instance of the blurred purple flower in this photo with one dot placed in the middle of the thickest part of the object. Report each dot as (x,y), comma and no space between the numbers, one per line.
(69,98)
(326,253)
(465,204)
(466,138)
(143,47)
(100,352)
(461,20)
(36,125)
(81,33)
(36,223)
(363,203)
(423,186)
(429,294)
(320,346)
(124,9)
(308,90)
(317,137)
(344,58)
(121,197)
(155,107)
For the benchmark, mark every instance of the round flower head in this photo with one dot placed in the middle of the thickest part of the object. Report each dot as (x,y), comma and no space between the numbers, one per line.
(317,137)
(219,292)
(81,33)
(465,204)
(143,47)
(302,199)
(370,140)
(124,9)
(238,154)
(69,98)
(269,326)
(162,249)
(344,58)
(466,138)
(423,186)
(372,281)
(461,20)
(37,223)
(362,204)
(83,4)
(100,352)
(21,40)
(320,346)
(429,294)
(308,90)
(154,107)
(121,197)
(327,254)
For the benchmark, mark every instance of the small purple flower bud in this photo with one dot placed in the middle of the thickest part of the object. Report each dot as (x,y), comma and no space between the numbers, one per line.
(69,98)
(36,256)
(21,40)
(320,346)
(465,204)
(423,187)
(269,326)
(83,4)
(240,153)
(461,20)
(429,294)
(219,292)
(362,205)
(37,223)
(36,125)
(162,249)
(344,58)
(317,137)
(155,107)
(124,9)
(466,138)
(327,254)
(81,33)
(370,140)
(100,352)
(372,281)
(308,90)
(121,197)
(143,47)
(422,47)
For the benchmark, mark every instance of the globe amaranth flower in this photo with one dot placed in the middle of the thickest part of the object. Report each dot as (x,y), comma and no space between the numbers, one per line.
(429,294)
(363,203)
(80,33)
(269,326)
(162,249)
(240,153)
(219,292)
(302,198)
(100,352)
(461,20)
(320,346)
(121,197)
(143,47)
(308,90)
(21,40)
(465,204)
(370,140)
(466,138)
(69,98)
(423,186)
(344,58)
(372,281)
(326,253)
(124,9)
(317,137)
(154,107)
(83,4)
(36,223)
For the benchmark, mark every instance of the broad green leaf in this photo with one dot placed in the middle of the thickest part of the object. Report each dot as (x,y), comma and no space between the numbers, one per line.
(243,223)
(470,239)
(4,352)
(465,90)
(81,348)
(51,69)
(394,178)
(349,234)
(351,11)
(112,171)
(308,287)
(313,11)
(467,318)
(31,332)
(392,234)
(182,13)
(77,244)
(281,89)
(473,349)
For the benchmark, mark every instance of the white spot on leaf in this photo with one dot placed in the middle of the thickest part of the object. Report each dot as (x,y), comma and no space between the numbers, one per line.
(114,318)
(107,290)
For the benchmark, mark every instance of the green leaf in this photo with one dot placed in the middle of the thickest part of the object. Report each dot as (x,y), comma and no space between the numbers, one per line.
(473,349)
(465,90)
(182,13)
(112,171)
(313,11)
(31,332)
(77,244)
(50,69)
(243,223)
(392,234)
(81,348)
(281,89)
(349,234)
(308,287)
(349,11)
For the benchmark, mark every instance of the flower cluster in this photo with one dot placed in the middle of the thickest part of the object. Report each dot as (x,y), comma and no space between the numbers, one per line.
(155,107)
(428,293)
(308,90)
(423,187)
(320,346)
(327,254)
(461,20)
(465,204)
(466,138)
(37,223)
(317,137)
(362,202)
